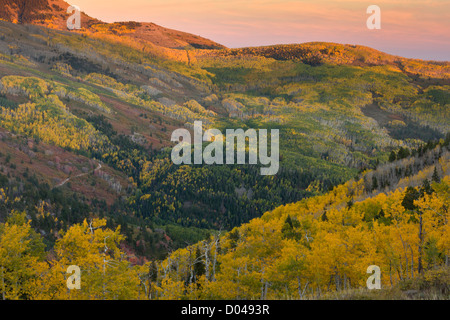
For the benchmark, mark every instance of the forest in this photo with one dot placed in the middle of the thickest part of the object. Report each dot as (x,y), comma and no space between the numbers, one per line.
(318,247)
(86,176)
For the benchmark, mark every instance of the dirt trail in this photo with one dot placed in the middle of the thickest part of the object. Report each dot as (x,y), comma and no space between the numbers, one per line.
(77,176)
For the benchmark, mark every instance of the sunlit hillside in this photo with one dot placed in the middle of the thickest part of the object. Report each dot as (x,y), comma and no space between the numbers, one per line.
(86,119)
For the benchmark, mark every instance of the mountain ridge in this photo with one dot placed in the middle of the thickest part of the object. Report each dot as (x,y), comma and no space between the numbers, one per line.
(53,14)
(169,42)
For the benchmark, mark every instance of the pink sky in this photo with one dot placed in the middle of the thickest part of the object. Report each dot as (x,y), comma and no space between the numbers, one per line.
(410,28)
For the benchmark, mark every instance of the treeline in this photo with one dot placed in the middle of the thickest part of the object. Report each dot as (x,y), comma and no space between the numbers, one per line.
(284,52)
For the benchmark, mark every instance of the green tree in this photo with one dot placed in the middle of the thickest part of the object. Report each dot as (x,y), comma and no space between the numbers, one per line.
(392,156)
(436,177)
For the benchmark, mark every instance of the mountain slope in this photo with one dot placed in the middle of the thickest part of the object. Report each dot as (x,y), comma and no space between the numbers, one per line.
(321,247)
(53,14)
(102,95)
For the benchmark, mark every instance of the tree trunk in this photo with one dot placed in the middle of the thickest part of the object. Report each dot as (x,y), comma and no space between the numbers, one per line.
(299,288)
(420,267)
(390,272)
(3,285)
(206,261)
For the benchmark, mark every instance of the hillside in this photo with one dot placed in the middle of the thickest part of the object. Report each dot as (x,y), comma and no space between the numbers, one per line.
(86,119)
(39,12)
(318,248)
(346,117)
(321,247)
(53,14)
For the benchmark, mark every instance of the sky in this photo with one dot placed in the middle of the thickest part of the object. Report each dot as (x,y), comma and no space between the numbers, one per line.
(409,28)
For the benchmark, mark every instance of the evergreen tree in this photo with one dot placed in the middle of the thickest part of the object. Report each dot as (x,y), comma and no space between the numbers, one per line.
(403,153)
(392,156)
(199,267)
(374,183)
(436,177)
(411,195)
(426,188)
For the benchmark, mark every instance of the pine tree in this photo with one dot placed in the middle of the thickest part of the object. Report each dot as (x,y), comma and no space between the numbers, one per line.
(426,188)
(436,178)
(410,196)
(153,271)
(392,156)
(374,183)
(403,153)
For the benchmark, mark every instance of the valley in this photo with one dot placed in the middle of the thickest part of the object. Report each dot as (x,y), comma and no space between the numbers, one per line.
(86,120)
